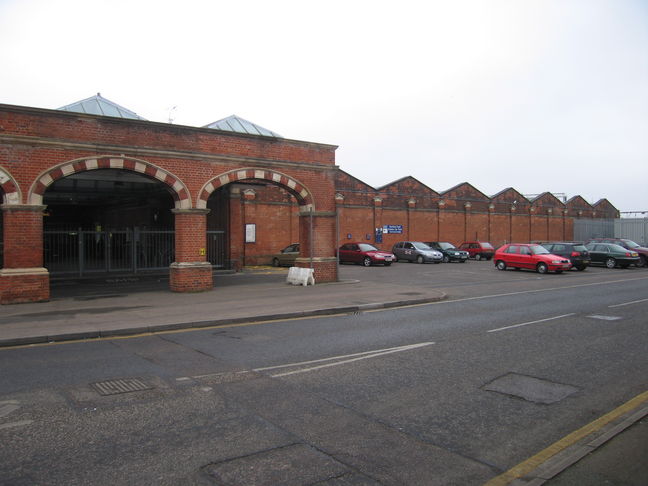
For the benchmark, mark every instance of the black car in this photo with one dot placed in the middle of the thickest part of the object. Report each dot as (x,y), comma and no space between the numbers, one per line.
(628,245)
(612,255)
(574,251)
(450,252)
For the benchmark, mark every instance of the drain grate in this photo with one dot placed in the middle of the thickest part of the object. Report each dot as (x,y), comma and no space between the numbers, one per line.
(115,387)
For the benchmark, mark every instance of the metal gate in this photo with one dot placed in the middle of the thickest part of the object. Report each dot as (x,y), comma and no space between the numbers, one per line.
(83,252)
(128,251)
(216,248)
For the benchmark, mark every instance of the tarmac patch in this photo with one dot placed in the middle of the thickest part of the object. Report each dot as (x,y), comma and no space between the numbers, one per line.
(531,389)
(296,464)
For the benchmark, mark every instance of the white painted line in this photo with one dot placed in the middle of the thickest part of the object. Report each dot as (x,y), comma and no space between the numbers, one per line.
(605,318)
(7,408)
(332,358)
(450,301)
(358,357)
(16,424)
(531,322)
(628,303)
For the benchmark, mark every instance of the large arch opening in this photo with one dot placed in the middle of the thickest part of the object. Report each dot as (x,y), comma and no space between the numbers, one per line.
(256,212)
(107,220)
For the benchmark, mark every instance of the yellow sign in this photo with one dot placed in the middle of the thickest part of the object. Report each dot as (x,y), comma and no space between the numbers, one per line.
(203,252)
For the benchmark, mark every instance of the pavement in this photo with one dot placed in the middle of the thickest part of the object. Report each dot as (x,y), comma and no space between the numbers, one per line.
(122,306)
(127,305)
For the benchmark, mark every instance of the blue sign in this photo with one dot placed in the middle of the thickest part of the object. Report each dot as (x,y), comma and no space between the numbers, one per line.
(396,229)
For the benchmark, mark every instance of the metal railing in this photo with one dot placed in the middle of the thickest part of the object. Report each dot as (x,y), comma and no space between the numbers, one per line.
(82,252)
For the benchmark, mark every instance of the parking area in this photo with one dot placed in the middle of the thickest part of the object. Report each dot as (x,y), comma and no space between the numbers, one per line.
(475,278)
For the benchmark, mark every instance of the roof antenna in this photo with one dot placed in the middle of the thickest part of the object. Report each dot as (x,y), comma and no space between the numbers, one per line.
(171,110)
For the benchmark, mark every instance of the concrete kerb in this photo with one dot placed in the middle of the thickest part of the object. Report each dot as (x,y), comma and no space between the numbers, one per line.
(590,437)
(159,328)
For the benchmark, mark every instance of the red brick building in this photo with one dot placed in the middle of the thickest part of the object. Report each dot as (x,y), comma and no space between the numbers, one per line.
(93,188)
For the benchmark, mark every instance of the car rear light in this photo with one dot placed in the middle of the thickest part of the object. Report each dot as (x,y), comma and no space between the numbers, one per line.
(575,253)
(628,254)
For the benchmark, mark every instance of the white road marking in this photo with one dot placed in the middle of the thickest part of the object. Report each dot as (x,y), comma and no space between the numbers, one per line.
(605,318)
(7,407)
(531,322)
(453,301)
(16,424)
(628,303)
(359,356)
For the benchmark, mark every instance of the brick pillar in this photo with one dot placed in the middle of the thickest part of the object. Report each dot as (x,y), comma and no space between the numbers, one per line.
(320,236)
(23,278)
(191,272)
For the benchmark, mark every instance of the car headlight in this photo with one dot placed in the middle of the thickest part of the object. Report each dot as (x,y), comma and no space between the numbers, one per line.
(556,262)
(379,257)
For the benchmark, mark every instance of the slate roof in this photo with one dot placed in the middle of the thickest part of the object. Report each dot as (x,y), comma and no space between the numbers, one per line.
(98,105)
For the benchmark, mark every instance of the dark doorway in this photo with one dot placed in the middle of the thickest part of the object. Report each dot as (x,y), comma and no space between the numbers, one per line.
(107,220)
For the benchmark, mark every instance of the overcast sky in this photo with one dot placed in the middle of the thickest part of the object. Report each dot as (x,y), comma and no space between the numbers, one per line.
(546,95)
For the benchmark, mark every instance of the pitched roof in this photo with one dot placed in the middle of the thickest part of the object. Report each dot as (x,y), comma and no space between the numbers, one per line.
(237,124)
(98,105)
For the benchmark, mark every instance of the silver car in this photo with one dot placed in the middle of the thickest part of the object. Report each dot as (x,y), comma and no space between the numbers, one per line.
(416,251)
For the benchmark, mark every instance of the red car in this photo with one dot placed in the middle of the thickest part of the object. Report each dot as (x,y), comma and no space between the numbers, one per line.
(531,256)
(365,254)
(479,250)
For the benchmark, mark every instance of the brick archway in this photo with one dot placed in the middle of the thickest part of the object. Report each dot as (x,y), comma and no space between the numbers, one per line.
(296,188)
(179,191)
(9,188)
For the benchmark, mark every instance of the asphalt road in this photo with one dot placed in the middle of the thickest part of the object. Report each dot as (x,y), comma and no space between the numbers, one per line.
(454,392)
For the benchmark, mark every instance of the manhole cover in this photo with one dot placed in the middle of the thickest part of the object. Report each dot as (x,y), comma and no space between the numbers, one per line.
(114,387)
(530,388)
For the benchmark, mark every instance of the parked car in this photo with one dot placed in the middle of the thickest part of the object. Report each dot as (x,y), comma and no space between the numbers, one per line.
(365,254)
(531,256)
(286,257)
(574,251)
(611,255)
(416,251)
(627,244)
(450,252)
(478,249)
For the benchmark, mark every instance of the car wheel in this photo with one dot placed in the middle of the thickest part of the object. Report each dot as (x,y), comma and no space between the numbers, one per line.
(419,259)
(275,262)
(366,262)
(501,265)
(643,261)
(610,263)
(542,268)
(477,256)
(580,268)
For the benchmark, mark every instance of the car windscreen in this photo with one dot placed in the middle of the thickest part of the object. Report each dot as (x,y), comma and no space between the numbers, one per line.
(446,246)
(367,247)
(539,250)
(421,246)
(631,244)
(487,245)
